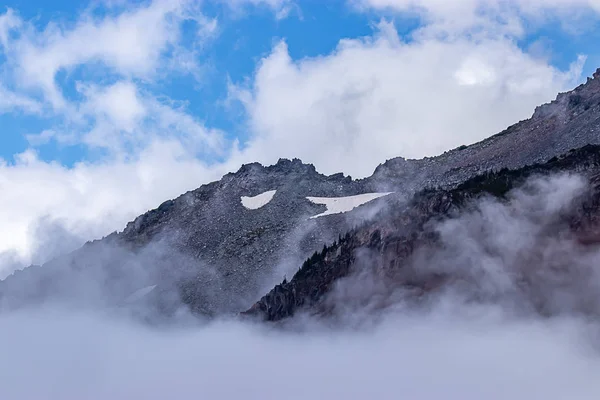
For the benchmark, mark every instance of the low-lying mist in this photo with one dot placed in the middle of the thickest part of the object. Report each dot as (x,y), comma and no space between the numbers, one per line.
(486,339)
(472,355)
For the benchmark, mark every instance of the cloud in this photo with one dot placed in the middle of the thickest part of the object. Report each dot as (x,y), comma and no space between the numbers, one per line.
(523,256)
(379,97)
(429,356)
(282,8)
(105,44)
(122,120)
(8,22)
(119,103)
(522,251)
(88,200)
(512,17)
(45,136)
(123,43)
(474,6)
(11,101)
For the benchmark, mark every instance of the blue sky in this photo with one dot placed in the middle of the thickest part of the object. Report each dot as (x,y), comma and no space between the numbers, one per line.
(312,29)
(108,108)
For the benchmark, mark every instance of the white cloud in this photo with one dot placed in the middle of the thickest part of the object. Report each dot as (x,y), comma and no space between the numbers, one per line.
(120,103)
(10,101)
(8,22)
(441,7)
(282,8)
(379,97)
(43,137)
(123,120)
(173,121)
(504,16)
(91,200)
(275,4)
(132,44)
(424,356)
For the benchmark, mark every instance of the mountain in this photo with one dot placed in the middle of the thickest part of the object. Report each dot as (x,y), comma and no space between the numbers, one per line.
(403,249)
(219,248)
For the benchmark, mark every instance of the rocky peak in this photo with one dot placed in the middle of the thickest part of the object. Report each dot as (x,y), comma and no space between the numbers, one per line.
(392,164)
(248,168)
(294,165)
(283,166)
(397,171)
(570,104)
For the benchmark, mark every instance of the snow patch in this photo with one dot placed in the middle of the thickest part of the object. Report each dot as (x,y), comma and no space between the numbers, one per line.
(338,205)
(138,294)
(258,201)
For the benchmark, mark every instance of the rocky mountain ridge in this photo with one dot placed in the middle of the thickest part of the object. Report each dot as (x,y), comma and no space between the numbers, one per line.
(207,252)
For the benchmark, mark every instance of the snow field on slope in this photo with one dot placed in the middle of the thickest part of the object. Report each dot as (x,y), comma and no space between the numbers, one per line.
(338,205)
(258,201)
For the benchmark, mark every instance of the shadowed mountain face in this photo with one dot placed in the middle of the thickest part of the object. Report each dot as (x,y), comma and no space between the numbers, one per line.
(210,252)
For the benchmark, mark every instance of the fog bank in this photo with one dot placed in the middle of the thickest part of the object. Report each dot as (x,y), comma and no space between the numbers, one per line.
(469,355)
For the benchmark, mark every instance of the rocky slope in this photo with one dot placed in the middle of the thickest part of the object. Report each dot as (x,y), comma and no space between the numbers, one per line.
(404,249)
(208,252)
(569,122)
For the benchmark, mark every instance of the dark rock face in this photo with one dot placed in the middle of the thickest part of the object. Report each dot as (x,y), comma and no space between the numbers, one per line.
(207,252)
(401,232)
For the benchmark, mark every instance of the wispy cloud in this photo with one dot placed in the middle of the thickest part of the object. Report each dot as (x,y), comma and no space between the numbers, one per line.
(482,17)
(13,101)
(282,8)
(122,43)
